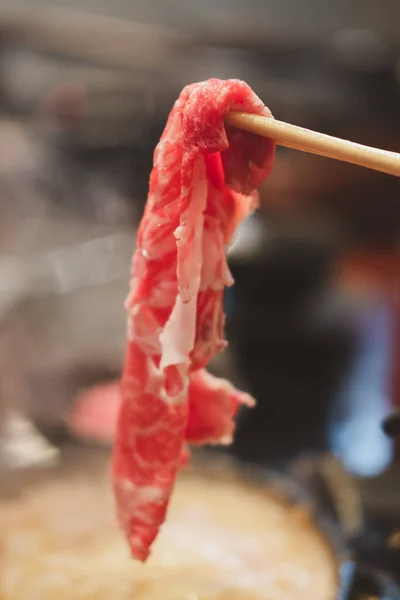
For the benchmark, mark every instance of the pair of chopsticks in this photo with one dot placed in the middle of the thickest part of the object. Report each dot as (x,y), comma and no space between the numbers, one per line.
(298,138)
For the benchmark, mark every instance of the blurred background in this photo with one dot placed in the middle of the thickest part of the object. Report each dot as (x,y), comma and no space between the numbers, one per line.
(313,322)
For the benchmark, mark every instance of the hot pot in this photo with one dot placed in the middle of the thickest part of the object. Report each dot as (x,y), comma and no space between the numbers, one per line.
(58,534)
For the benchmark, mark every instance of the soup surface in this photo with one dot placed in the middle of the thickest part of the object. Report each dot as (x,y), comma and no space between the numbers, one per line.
(222,541)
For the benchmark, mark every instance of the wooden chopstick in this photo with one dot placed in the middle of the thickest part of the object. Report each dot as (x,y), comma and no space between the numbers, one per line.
(298,138)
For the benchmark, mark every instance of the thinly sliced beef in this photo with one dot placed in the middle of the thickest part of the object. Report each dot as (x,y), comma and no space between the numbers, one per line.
(213,403)
(175,307)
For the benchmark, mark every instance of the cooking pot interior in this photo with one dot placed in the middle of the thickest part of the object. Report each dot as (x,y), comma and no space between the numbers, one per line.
(230,533)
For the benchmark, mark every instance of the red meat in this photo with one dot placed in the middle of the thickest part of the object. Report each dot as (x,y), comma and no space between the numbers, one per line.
(176,319)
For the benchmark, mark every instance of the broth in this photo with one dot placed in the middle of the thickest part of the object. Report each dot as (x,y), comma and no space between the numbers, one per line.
(222,541)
